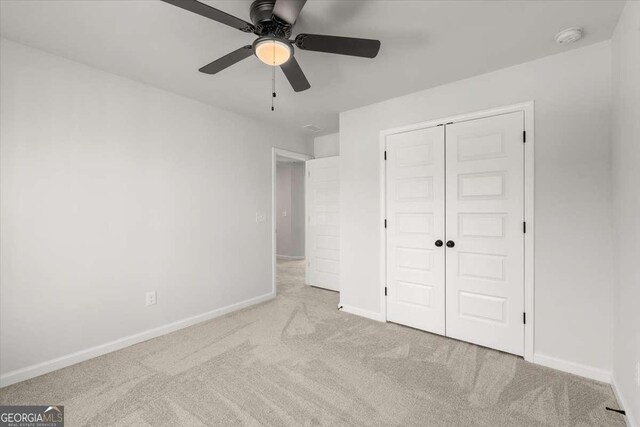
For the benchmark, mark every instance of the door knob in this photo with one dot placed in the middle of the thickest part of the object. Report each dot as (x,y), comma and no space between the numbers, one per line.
(438,243)
(450,244)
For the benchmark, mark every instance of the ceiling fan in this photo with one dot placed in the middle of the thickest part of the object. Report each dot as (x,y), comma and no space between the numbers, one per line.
(273,21)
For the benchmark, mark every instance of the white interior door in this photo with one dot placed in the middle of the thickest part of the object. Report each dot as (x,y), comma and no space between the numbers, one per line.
(415,221)
(323,228)
(484,221)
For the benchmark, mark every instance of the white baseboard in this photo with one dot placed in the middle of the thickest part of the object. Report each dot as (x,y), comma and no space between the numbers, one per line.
(573,368)
(363,313)
(89,353)
(624,404)
(290,256)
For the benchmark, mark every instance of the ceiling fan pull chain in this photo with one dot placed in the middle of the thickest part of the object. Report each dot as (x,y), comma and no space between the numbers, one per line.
(273,87)
(273,78)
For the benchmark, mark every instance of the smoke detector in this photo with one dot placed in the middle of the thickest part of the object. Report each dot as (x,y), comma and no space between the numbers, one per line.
(570,35)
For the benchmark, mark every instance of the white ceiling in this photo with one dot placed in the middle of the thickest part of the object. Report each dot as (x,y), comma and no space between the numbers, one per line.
(424,44)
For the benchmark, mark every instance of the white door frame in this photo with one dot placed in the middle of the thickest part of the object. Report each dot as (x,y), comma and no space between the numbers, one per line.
(529,284)
(275,153)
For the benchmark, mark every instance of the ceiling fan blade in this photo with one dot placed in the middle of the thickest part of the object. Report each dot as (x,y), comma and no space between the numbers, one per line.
(365,48)
(213,13)
(294,74)
(227,60)
(288,10)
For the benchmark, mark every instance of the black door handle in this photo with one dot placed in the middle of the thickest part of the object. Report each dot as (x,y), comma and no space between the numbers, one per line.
(450,244)
(438,243)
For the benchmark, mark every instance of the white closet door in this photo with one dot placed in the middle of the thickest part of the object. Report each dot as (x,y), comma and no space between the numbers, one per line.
(323,229)
(484,220)
(415,220)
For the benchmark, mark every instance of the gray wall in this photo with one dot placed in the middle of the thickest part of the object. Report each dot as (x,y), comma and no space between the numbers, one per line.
(290,200)
(326,145)
(626,196)
(112,188)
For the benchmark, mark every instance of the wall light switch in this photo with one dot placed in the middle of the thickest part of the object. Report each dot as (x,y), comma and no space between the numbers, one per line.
(260,217)
(284,213)
(151,298)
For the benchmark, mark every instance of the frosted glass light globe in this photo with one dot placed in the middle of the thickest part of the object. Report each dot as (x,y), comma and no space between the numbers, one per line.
(272,52)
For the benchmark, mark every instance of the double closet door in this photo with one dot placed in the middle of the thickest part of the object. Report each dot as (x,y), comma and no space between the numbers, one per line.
(455,238)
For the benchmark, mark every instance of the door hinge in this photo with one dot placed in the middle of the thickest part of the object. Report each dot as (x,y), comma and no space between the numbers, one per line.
(385,154)
(524,136)
(524,318)
(385,223)
(385,291)
(524,227)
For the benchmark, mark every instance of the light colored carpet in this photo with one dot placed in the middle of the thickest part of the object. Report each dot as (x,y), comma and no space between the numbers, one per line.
(297,361)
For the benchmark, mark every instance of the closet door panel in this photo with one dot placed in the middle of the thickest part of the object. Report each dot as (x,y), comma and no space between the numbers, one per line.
(415,220)
(323,228)
(484,226)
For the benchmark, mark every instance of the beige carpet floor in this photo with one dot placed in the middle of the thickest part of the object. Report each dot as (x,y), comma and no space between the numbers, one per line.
(297,361)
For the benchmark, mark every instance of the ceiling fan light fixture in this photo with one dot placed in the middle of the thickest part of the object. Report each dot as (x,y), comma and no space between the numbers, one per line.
(272,51)
(273,22)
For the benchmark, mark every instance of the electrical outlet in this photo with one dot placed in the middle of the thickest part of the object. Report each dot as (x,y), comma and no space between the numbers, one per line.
(260,217)
(151,298)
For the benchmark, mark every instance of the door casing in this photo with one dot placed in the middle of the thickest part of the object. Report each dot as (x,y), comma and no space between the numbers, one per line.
(529,283)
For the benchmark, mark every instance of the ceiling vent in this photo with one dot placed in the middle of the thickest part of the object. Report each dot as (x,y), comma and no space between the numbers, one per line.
(312,128)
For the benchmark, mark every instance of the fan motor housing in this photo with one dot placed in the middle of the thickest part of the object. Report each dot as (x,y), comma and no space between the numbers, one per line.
(261,14)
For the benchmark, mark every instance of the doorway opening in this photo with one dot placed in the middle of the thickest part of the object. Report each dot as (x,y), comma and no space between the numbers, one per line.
(289,219)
